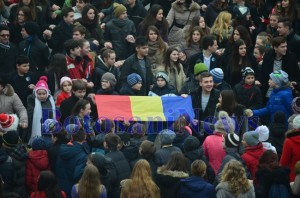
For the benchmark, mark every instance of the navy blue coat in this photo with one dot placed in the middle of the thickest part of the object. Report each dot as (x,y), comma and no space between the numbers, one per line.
(196,187)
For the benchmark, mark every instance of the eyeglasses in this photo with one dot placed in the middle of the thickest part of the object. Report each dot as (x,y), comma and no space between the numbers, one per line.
(4,35)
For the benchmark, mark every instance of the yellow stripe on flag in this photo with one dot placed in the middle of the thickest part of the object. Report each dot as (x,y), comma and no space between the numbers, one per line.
(147,108)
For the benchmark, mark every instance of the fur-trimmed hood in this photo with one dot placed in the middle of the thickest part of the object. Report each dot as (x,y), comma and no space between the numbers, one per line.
(181,8)
(8,90)
(178,174)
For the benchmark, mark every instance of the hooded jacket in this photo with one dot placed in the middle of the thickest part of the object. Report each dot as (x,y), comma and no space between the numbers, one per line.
(6,170)
(70,165)
(251,157)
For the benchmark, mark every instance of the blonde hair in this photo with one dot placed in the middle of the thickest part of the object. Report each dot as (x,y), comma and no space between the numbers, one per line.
(141,184)
(221,25)
(198,168)
(234,173)
(89,185)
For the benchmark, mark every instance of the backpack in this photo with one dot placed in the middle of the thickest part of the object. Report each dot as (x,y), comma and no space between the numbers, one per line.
(279,191)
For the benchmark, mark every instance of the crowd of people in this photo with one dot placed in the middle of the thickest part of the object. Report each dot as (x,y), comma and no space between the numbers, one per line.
(238,61)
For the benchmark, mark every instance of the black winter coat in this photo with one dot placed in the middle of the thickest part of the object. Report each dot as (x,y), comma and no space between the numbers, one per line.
(6,170)
(189,86)
(137,13)
(8,58)
(199,58)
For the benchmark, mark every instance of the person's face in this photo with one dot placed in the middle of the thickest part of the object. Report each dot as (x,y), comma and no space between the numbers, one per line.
(220,99)
(26,2)
(111,59)
(24,33)
(142,50)
(242,50)
(202,22)
(86,110)
(67,87)
(174,56)
(131,2)
(41,95)
(4,36)
(249,79)
(161,82)
(273,21)
(271,83)
(76,51)
(123,16)
(285,3)
(214,47)
(77,36)
(282,30)
(159,15)
(79,93)
(86,48)
(207,84)
(281,49)
(137,86)
(21,17)
(196,36)
(91,14)
(152,36)
(236,35)
(105,84)
(79,5)
(257,54)
(23,68)
(70,18)
(258,42)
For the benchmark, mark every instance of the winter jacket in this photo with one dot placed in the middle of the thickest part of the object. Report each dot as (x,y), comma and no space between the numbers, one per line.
(222,86)
(251,157)
(61,97)
(249,96)
(18,155)
(280,100)
(223,191)
(8,56)
(42,194)
(10,103)
(162,156)
(290,153)
(169,182)
(116,31)
(176,79)
(213,150)
(196,187)
(211,14)
(189,86)
(293,42)
(53,152)
(289,65)
(37,52)
(178,17)
(136,13)
(296,186)
(70,165)
(37,161)
(200,113)
(121,169)
(277,136)
(162,91)
(131,65)
(76,68)
(6,170)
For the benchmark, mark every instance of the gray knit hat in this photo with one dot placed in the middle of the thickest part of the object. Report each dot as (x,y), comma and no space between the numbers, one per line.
(163,75)
(110,78)
(251,138)
(247,71)
(280,78)
(133,79)
(167,136)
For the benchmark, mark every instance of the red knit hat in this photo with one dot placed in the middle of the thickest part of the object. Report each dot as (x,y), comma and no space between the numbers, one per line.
(8,122)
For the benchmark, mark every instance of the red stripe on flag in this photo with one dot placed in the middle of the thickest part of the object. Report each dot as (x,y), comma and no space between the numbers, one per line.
(121,107)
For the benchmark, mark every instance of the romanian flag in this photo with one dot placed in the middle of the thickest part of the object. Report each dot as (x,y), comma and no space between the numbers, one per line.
(143,108)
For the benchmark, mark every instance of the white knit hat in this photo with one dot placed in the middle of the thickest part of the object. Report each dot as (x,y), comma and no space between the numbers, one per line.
(263,132)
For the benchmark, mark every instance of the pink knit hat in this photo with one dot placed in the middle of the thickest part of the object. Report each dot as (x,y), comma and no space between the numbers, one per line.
(64,79)
(42,84)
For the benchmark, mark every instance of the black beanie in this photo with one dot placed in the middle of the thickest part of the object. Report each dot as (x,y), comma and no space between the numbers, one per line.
(232,140)
(11,138)
(31,28)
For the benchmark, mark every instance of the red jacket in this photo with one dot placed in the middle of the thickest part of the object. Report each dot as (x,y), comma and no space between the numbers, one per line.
(291,152)
(37,161)
(251,157)
(61,97)
(75,67)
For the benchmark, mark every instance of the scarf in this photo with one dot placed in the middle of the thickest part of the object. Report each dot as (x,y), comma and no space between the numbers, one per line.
(5,46)
(120,23)
(37,117)
(153,47)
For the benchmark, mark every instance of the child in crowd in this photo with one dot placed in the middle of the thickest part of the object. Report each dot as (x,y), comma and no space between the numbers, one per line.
(263,132)
(219,83)
(272,27)
(259,53)
(40,106)
(133,85)
(66,88)
(162,87)
(108,84)
(246,92)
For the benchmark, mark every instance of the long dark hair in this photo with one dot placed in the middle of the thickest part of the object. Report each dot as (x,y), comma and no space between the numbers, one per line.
(27,14)
(167,60)
(228,101)
(84,12)
(190,38)
(80,104)
(235,59)
(58,65)
(177,162)
(150,19)
(244,35)
(162,45)
(32,7)
(47,183)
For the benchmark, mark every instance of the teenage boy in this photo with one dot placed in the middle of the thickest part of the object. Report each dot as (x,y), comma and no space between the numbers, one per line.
(208,56)
(162,87)
(140,64)
(22,80)
(78,92)
(133,85)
